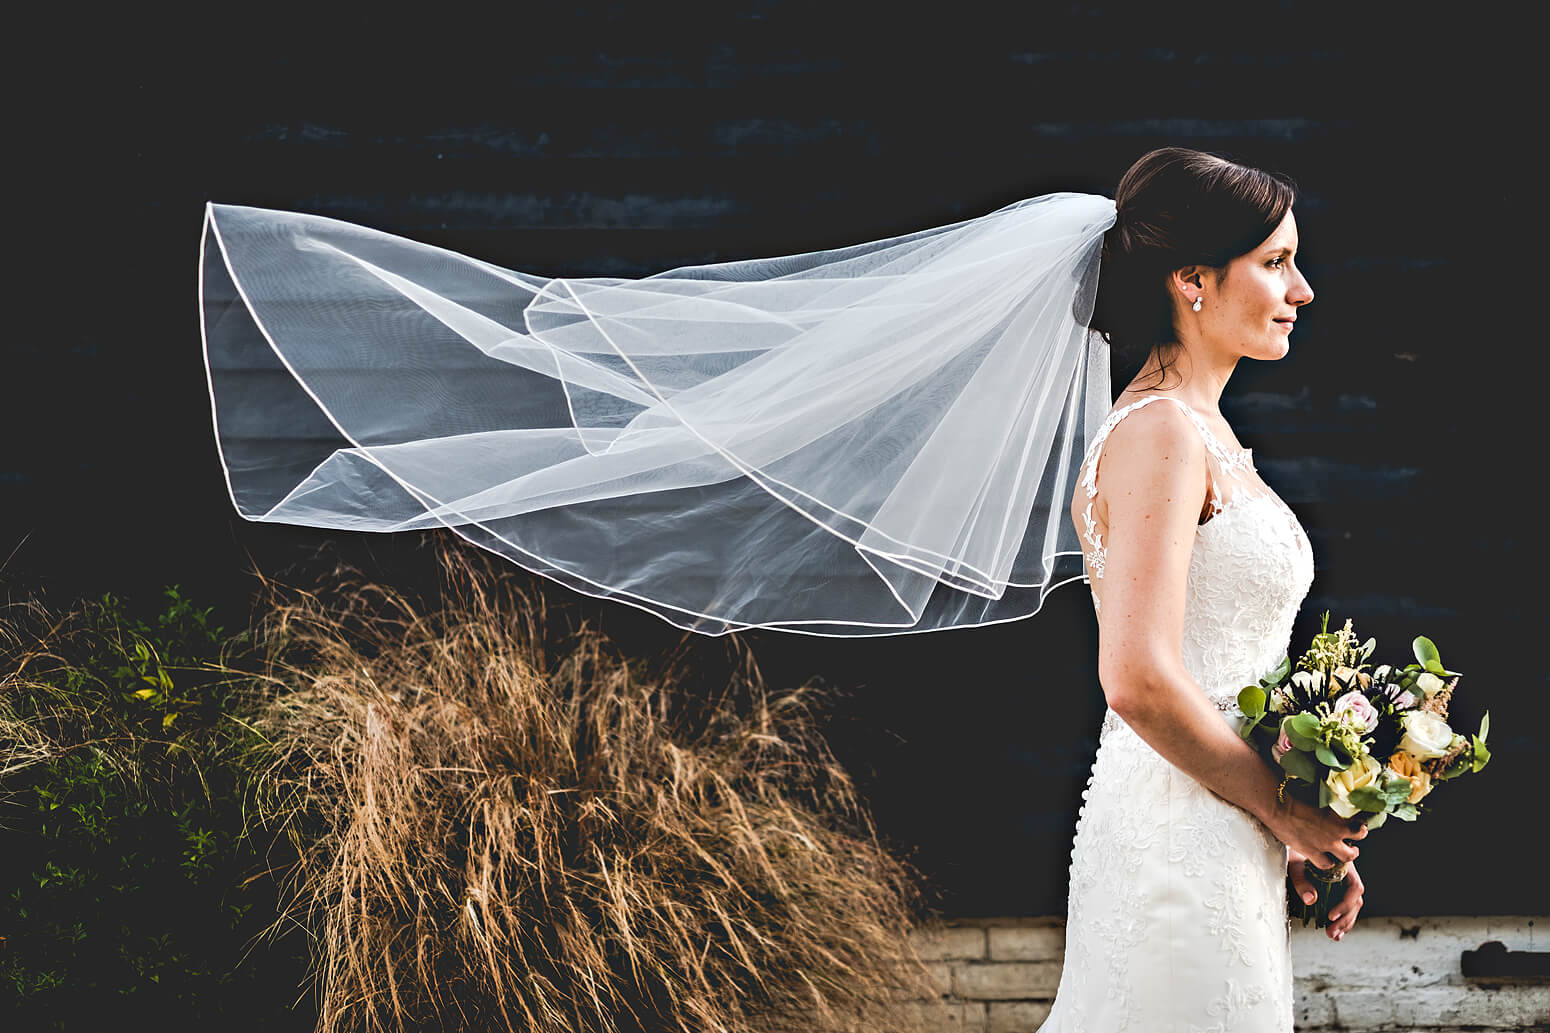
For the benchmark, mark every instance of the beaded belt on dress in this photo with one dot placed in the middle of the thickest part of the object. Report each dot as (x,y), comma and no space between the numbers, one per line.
(1111,720)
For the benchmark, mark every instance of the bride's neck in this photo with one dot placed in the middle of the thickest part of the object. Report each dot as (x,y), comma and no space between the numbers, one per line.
(1178,373)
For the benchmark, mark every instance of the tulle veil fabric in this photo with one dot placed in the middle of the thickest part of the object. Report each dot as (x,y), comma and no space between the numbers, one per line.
(875,439)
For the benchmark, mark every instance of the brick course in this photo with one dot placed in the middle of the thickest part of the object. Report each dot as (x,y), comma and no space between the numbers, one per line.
(1388,975)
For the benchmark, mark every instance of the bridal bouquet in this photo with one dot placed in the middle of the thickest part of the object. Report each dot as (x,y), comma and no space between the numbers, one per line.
(1371,742)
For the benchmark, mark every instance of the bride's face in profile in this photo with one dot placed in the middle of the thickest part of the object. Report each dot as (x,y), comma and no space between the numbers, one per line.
(1252,309)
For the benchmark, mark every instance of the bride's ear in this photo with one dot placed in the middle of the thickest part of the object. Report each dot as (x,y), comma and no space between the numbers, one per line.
(1187,282)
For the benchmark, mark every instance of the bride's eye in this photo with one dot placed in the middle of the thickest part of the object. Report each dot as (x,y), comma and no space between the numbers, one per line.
(1274,261)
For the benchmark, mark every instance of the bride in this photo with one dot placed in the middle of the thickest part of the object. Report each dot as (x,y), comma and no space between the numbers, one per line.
(1177,915)
(876,439)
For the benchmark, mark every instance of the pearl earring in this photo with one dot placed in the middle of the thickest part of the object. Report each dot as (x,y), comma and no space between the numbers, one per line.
(1196,305)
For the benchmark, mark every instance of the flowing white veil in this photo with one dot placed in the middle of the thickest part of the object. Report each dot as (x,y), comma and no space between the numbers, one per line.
(870,440)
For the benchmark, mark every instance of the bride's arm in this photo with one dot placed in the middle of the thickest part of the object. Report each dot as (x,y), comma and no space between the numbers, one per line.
(1154,479)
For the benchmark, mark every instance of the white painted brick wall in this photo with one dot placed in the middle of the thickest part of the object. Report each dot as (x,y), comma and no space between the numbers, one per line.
(1389,975)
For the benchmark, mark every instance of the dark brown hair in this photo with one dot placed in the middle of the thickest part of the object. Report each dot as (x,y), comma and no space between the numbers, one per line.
(1176,207)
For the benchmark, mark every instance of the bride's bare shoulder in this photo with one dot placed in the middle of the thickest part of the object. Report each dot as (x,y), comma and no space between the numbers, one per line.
(1153,428)
(1152,452)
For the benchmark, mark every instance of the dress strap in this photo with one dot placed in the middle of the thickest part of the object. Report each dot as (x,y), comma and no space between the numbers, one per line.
(1228,458)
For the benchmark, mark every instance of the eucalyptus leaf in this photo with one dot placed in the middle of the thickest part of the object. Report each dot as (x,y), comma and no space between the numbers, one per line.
(1368,799)
(1396,790)
(1302,742)
(1300,765)
(1485,727)
(1252,701)
(1327,758)
(1404,812)
(1305,725)
(1324,796)
(1367,647)
(1436,668)
(1277,676)
(1425,652)
(1377,820)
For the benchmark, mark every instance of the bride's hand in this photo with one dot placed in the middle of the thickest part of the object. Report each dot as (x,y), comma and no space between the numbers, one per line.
(1319,835)
(1343,915)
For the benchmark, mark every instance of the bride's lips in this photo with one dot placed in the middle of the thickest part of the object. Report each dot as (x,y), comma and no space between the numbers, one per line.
(1287,323)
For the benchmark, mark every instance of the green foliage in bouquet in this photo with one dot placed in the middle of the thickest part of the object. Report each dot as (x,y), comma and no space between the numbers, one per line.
(128,874)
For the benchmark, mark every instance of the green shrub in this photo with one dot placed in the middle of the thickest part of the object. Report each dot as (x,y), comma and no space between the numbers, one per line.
(133,890)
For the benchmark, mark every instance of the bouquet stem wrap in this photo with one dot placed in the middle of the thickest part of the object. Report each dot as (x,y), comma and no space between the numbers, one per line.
(1329,887)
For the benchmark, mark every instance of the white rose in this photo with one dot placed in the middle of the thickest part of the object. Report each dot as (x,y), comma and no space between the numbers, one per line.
(1427,736)
(1428,683)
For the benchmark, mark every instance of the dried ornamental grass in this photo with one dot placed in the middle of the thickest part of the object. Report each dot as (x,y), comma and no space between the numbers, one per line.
(502,834)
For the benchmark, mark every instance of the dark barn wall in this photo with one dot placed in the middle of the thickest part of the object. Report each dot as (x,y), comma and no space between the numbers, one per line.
(625,139)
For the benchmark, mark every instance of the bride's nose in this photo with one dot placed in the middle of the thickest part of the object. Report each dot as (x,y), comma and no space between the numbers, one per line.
(1301,293)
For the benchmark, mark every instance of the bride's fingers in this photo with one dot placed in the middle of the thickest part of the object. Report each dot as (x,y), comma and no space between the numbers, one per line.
(1298,870)
(1341,847)
(1343,915)
(1343,851)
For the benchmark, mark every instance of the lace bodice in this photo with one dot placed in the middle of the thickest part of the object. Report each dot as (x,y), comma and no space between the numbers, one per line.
(1249,569)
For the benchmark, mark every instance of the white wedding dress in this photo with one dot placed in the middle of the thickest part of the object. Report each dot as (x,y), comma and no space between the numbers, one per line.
(1177,911)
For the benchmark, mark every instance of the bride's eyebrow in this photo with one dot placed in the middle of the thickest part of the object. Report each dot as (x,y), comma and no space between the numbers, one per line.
(1283,250)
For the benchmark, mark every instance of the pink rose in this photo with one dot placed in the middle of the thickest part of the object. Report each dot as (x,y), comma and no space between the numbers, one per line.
(1282,745)
(1360,707)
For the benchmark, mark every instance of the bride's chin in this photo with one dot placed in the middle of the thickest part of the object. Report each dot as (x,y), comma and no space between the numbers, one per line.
(1276,350)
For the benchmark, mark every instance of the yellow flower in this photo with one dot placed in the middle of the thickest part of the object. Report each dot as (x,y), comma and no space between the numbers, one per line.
(1363,772)
(1406,765)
